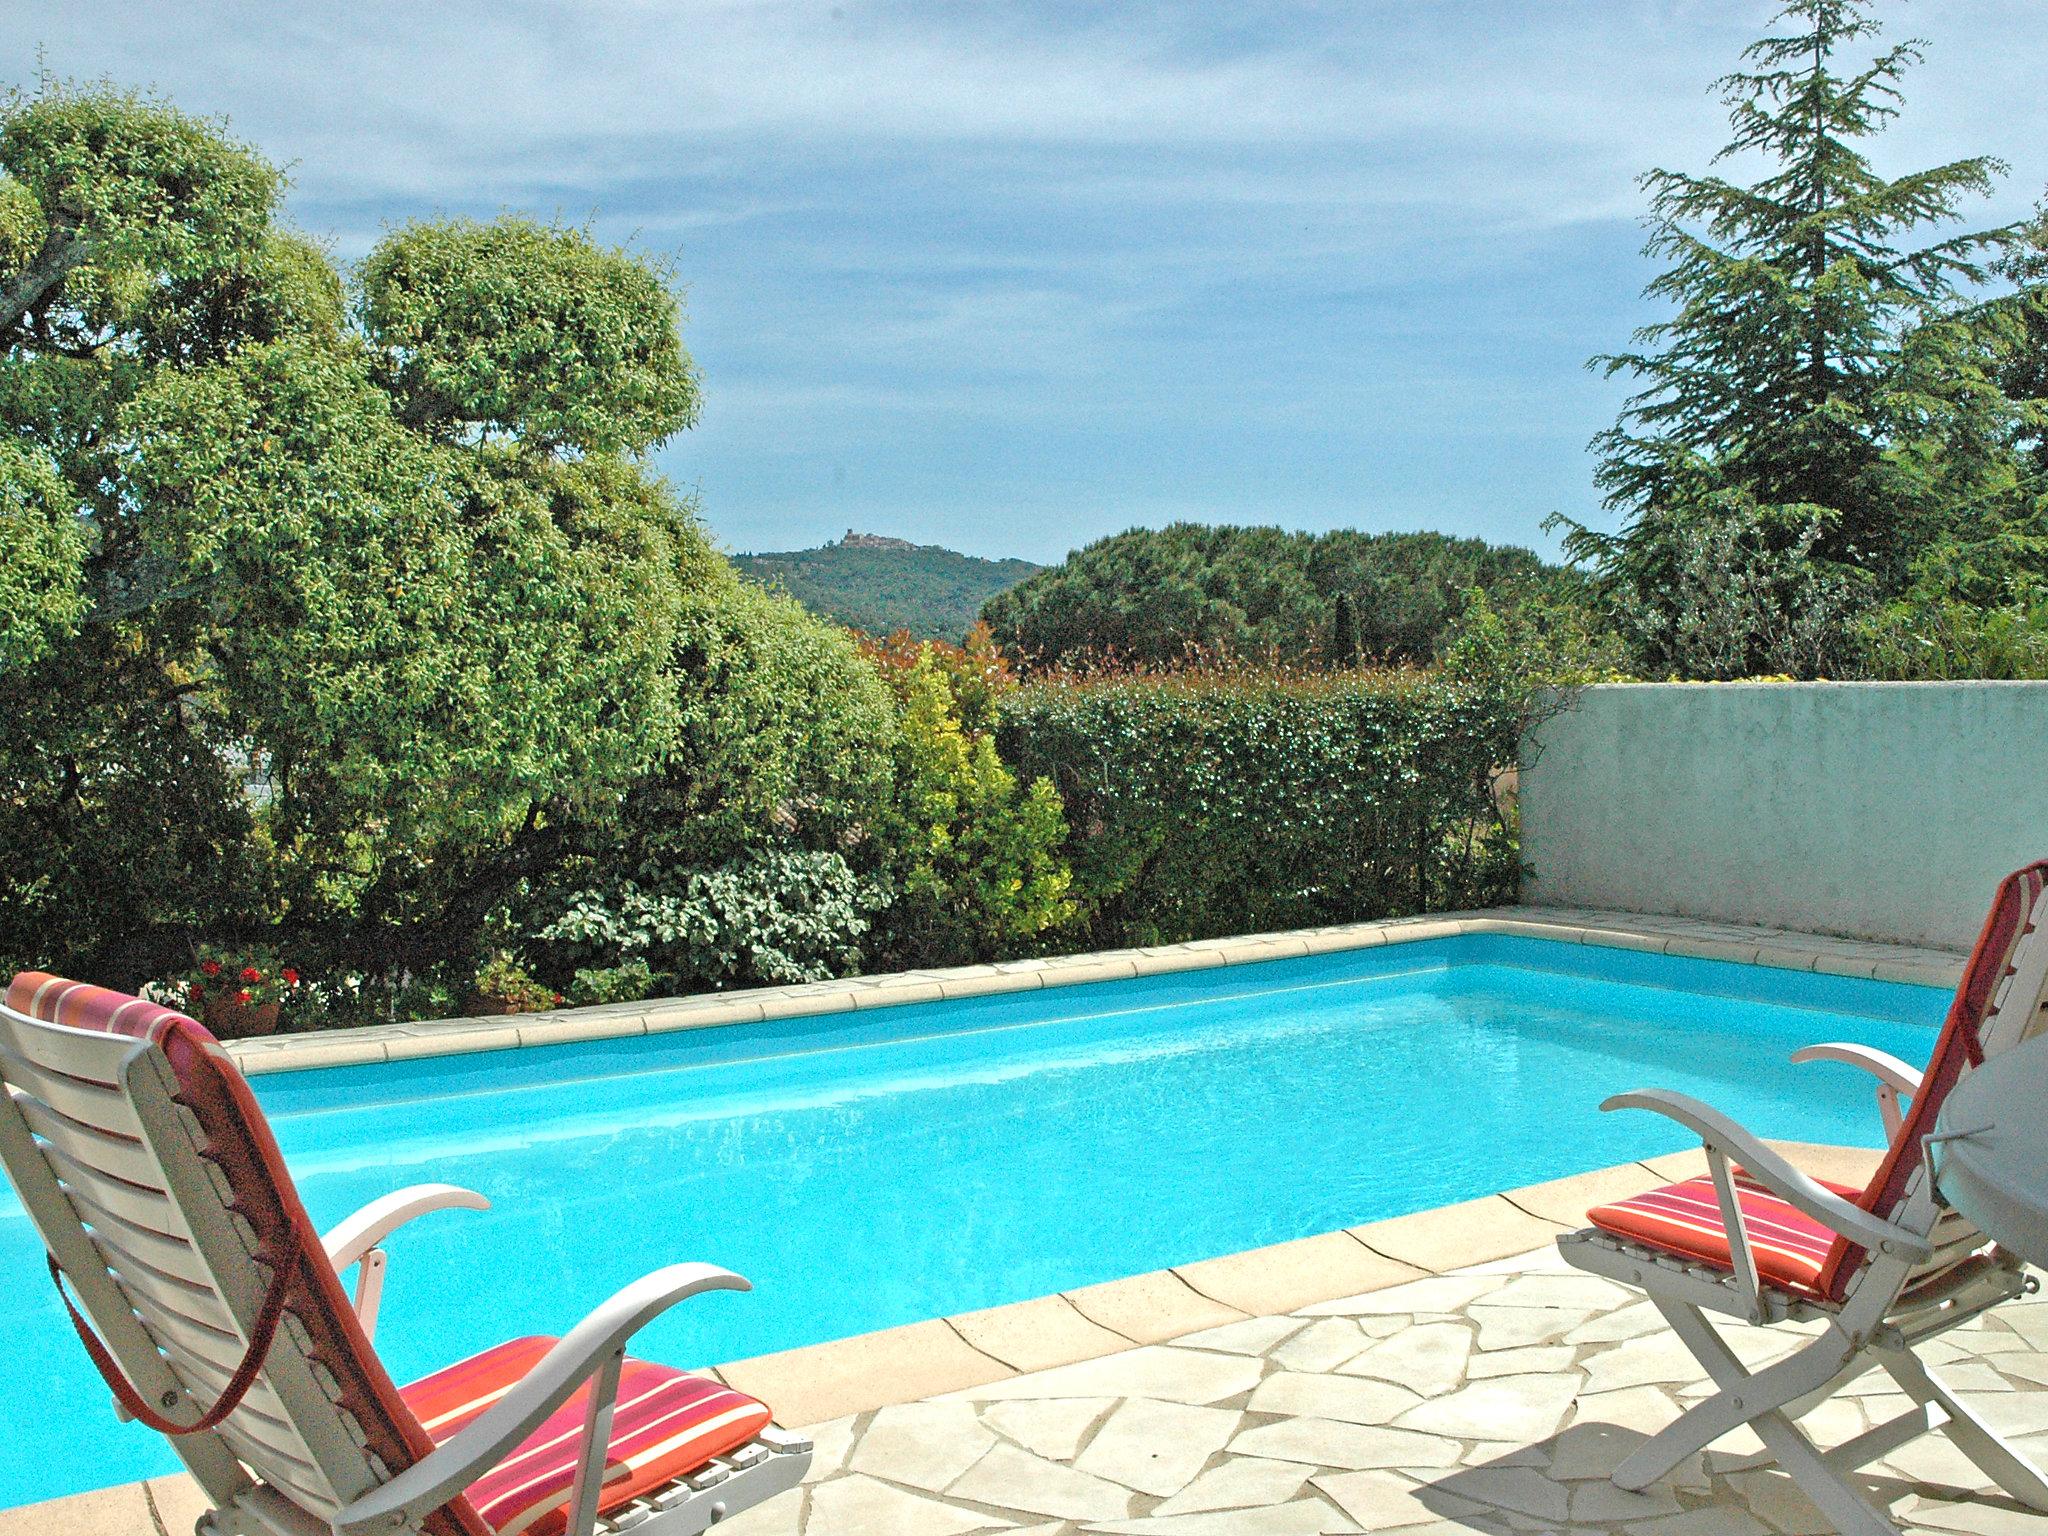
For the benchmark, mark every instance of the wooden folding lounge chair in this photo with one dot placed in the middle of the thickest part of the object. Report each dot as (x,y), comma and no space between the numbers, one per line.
(217,1315)
(1885,1267)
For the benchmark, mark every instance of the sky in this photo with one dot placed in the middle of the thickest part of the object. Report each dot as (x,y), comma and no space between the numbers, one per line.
(1011,277)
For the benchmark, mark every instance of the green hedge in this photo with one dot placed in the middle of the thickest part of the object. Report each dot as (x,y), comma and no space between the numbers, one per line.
(1206,805)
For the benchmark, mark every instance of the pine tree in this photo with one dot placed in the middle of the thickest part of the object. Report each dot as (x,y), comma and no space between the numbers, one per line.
(1347,646)
(1799,357)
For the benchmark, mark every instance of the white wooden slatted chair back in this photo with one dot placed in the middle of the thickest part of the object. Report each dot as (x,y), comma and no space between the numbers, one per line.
(172,1237)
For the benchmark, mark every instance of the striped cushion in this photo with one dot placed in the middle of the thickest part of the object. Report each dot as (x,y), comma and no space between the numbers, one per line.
(667,1424)
(1790,1249)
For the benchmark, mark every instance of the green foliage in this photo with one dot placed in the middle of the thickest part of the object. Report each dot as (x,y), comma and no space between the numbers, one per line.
(1975,609)
(885,585)
(348,620)
(134,199)
(276,652)
(1238,801)
(1155,597)
(503,985)
(627,983)
(1822,397)
(1745,594)
(42,558)
(975,858)
(784,736)
(530,330)
(769,918)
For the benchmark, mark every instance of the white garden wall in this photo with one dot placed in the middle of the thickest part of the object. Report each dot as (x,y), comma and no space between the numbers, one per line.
(1877,810)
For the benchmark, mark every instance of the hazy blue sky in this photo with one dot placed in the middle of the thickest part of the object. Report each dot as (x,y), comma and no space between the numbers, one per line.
(1010,277)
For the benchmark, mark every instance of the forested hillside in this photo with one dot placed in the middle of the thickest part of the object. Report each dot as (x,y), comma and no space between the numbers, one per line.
(1151,596)
(882,585)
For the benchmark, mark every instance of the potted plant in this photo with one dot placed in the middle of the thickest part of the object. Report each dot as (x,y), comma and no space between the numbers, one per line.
(238,992)
(503,986)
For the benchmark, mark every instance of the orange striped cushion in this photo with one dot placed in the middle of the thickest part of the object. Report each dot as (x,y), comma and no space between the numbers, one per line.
(1789,1248)
(667,1424)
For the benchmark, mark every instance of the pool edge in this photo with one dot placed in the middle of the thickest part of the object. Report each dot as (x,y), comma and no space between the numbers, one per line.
(1689,938)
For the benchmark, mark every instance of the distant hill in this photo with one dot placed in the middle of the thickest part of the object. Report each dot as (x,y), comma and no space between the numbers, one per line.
(882,585)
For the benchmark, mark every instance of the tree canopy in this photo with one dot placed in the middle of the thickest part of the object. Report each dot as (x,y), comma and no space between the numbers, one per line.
(315,584)
(1154,596)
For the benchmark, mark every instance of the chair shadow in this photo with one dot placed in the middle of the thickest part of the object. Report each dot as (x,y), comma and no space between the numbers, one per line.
(1562,1483)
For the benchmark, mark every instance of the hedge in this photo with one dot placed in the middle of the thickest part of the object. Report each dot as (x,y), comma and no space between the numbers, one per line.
(1201,805)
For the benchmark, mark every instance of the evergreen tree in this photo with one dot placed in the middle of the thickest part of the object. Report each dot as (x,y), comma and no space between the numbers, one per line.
(1347,649)
(1817,342)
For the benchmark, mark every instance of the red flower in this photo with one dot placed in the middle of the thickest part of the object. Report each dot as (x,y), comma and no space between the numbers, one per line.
(209,967)
(250,973)
(291,977)
(245,997)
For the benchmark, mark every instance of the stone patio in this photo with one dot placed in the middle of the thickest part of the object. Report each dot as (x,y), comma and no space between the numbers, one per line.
(1495,1399)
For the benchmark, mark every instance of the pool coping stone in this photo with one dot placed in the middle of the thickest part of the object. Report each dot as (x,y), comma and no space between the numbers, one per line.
(1693,938)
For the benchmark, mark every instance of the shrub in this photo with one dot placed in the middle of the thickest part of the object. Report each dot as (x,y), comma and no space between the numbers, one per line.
(785,740)
(503,985)
(626,983)
(1236,801)
(770,918)
(974,858)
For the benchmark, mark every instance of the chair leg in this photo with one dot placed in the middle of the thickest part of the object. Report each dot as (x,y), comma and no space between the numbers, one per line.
(1742,1396)
(2000,1461)
(1758,1400)
(1832,1493)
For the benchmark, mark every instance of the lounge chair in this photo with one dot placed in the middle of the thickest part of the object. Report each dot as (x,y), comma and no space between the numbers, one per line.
(217,1316)
(1885,1268)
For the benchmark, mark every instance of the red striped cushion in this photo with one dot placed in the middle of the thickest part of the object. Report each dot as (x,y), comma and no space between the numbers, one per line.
(1790,1249)
(55,1000)
(667,1424)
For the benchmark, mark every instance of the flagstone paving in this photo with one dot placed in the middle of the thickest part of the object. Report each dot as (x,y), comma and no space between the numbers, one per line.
(1493,1400)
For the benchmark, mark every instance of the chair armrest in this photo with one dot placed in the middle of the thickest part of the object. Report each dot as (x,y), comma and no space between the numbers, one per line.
(352,1237)
(1720,1134)
(1883,1066)
(1893,1076)
(576,1358)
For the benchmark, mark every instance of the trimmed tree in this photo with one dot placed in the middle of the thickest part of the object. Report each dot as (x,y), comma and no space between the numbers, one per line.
(312,605)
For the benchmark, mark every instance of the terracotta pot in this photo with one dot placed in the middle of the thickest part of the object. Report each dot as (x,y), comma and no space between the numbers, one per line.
(238,1021)
(491,1007)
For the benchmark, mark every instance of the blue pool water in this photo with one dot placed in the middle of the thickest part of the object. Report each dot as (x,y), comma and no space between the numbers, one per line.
(873,1169)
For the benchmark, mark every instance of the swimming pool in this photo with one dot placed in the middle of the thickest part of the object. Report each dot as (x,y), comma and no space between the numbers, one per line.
(878,1168)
